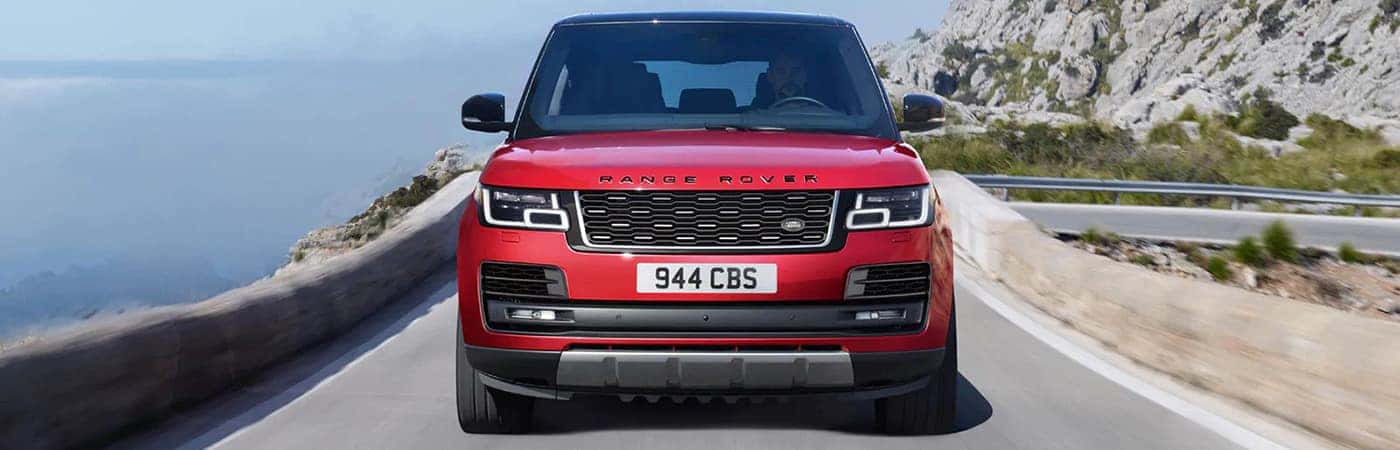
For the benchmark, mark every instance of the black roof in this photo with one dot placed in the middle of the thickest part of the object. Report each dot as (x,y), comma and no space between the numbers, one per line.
(702,16)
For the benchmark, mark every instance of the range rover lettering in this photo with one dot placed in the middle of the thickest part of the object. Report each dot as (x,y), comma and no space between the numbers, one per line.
(700,206)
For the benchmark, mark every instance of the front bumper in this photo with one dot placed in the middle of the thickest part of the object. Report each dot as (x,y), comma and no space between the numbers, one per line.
(703,374)
(603,285)
(603,319)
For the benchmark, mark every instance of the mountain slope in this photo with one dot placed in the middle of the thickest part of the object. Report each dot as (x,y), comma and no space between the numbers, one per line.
(1138,62)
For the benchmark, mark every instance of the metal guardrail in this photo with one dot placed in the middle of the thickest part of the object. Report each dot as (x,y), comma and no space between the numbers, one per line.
(1233,192)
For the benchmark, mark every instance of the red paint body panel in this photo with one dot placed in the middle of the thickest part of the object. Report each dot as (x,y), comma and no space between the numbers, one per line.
(577,162)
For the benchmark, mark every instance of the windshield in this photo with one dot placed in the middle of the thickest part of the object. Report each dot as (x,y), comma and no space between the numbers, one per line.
(647,76)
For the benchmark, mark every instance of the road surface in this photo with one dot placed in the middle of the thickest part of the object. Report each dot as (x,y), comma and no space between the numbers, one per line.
(389,384)
(1210,225)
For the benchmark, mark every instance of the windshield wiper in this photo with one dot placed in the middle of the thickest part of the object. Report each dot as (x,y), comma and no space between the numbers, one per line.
(733,127)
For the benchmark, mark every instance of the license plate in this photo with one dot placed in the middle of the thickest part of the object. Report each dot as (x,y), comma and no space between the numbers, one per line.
(707,278)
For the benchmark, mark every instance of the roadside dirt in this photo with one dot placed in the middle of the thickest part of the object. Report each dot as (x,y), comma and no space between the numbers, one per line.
(1370,289)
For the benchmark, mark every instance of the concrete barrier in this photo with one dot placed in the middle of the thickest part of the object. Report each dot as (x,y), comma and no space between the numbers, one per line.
(1333,373)
(87,384)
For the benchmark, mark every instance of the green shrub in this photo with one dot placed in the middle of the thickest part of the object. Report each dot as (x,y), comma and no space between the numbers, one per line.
(1219,268)
(1189,114)
(1143,260)
(882,70)
(1390,7)
(1270,23)
(298,255)
(955,51)
(1247,251)
(1263,118)
(1279,242)
(1092,236)
(1348,252)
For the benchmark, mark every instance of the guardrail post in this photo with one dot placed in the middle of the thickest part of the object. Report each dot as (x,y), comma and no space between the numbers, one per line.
(1006,195)
(1235,203)
(1115,198)
(1356,210)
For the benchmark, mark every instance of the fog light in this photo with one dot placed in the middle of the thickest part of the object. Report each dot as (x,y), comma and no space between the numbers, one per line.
(883,314)
(533,314)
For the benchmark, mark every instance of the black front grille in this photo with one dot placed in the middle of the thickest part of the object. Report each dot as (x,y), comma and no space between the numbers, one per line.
(521,281)
(711,219)
(888,281)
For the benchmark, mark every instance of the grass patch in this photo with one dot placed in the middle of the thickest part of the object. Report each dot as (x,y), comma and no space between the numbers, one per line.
(1225,62)
(1219,269)
(1168,133)
(1143,260)
(1329,132)
(1279,241)
(1096,236)
(1248,252)
(1347,252)
(1189,114)
(1100,151)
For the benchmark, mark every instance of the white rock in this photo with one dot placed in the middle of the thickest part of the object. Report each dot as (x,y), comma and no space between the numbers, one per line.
(1174,40)
(1076,75)
(1247,276)
(1168,100)
(1192,129)
(1299,133)
(1275,148)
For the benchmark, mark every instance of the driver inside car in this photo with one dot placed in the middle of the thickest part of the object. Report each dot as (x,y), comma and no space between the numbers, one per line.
(786,78)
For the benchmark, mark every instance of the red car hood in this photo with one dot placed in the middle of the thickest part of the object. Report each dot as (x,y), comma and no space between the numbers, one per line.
(708,160)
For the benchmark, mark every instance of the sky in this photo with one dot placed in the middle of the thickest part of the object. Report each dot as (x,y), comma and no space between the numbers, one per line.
(353,29)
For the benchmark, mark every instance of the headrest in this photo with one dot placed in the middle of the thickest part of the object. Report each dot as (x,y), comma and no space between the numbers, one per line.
(762,91)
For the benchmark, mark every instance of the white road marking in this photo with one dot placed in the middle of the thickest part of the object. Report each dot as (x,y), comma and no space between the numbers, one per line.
(1211,421)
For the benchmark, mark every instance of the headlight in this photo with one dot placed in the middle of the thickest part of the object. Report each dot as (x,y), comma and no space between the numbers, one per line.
(519,208)
(890,208)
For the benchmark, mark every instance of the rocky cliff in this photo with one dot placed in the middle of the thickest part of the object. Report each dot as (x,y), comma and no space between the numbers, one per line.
(384,212)
(1139,62)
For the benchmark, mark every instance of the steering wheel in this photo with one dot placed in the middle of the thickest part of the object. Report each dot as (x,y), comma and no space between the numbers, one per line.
(791,100)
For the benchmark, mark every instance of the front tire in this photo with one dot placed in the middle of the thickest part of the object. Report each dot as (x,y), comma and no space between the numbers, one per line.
(930,410)
(481,409)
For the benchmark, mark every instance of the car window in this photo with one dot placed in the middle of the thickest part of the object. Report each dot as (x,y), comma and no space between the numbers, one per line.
(620,77)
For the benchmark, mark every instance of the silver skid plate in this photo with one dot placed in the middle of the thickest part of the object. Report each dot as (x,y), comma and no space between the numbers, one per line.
(663,370)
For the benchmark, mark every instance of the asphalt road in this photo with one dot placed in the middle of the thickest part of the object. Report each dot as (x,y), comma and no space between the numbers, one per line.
(1222,226)
(389,384)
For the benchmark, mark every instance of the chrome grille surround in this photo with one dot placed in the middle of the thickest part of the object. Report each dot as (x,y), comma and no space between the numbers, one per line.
(753,217)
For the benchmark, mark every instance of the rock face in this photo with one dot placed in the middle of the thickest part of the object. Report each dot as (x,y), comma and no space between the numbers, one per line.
(385,212)
(1137,62)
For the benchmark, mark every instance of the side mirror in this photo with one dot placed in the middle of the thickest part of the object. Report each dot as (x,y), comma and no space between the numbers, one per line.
(485,112)
(922,113)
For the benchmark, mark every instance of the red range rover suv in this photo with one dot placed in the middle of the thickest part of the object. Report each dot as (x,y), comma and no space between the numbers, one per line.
(704,205)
